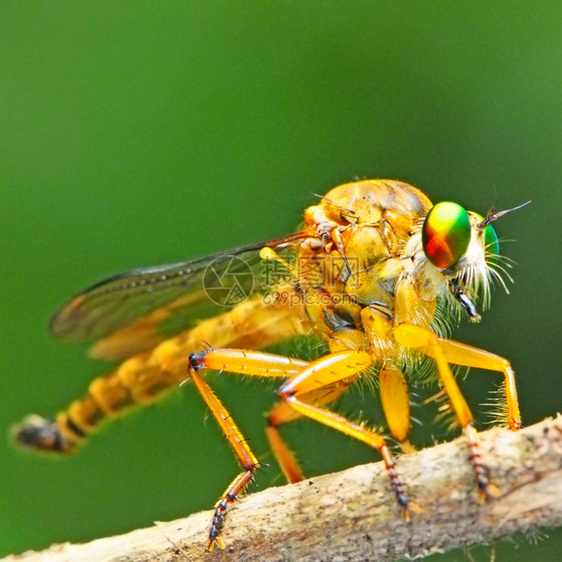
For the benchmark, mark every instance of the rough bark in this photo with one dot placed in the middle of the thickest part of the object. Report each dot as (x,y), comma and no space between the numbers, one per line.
(352,515)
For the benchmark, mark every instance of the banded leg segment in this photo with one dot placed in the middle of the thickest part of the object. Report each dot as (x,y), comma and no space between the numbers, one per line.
(248,363)
(445,351)
(329,370)
(318,382)
(247,459)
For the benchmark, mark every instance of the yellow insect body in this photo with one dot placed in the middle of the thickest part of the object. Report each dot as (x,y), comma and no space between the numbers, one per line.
(376,271)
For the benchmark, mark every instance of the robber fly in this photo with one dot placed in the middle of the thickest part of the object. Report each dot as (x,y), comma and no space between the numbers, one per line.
(377,271)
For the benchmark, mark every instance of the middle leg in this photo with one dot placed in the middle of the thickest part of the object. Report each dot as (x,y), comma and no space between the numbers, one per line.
(324,373)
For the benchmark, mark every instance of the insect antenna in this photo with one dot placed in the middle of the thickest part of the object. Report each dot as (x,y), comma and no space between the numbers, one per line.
(493,216)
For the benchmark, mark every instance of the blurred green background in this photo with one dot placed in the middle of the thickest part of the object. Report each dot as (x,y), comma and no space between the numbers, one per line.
(139,133)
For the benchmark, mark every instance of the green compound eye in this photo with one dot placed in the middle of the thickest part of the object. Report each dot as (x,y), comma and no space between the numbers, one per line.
(491,243)
(446,234)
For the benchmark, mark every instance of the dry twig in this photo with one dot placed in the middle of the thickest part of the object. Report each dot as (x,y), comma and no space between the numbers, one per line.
(352,515)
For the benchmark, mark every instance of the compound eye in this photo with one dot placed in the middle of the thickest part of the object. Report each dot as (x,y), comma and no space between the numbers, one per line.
(492,245)
(446,234)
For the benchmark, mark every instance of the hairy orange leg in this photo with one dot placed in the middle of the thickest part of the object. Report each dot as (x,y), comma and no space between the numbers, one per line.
(396,405)
(282,413)
(248,363)
(329,370)
(463,354)
(445,351)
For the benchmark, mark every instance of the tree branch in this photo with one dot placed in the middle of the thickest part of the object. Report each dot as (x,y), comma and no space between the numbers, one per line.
(352,515)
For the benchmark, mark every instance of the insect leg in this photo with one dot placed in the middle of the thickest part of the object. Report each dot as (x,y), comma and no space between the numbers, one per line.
(377,324)
(396,405)
(328,370)
(282,413)
(247,459)
(463,354)
(410,335)
(248,363)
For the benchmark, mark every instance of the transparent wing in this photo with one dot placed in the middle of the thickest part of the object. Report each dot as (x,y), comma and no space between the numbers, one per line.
(136,310)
